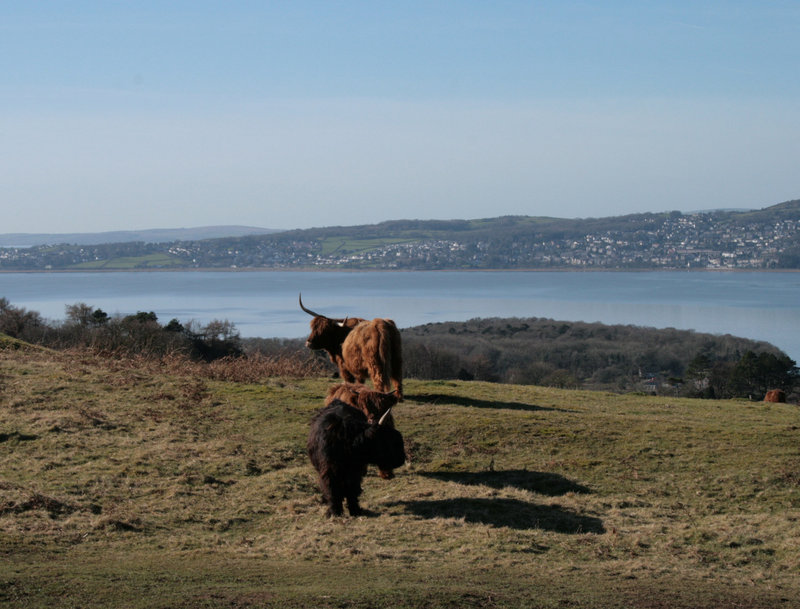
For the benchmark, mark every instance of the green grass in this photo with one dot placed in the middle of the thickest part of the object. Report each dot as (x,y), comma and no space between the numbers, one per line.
(150,261)
(128,483)
(345,245)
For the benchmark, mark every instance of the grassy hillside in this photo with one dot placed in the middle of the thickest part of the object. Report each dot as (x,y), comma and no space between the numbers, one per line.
(127,263)
(157,484)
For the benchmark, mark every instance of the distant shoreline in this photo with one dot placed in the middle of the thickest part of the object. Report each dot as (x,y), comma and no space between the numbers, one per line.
(263,304)
(329,270)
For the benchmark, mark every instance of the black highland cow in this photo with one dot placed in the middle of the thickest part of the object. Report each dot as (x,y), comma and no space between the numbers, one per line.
(341,444)
(373,404)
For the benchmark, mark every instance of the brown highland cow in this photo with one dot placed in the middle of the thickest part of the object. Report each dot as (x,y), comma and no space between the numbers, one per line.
(361,349)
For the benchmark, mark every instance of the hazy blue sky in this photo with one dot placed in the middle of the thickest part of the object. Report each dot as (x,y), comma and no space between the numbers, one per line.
(129,115)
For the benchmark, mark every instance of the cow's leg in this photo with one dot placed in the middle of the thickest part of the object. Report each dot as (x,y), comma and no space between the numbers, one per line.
(398,388)
(335,509)
(353,506)
(380,380)
(335,505)
(386,474)
(396,368)
(359,376)
(331,495)
(352,491)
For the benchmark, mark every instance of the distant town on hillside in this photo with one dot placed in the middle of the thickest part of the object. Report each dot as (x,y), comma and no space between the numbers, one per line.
(762,239)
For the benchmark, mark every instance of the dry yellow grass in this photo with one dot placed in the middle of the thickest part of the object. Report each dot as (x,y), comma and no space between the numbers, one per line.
(159,483)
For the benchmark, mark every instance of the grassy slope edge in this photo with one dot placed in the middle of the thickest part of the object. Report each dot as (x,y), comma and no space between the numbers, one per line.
(141,484)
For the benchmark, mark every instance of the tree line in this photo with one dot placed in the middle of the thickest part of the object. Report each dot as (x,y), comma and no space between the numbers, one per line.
(140,333)
(620,358)
(533,351)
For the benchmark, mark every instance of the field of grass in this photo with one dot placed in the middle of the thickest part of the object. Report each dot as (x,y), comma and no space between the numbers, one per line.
(144,484)
(150,261)
(340,245)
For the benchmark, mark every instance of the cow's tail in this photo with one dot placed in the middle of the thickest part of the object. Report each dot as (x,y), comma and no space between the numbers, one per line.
(385,356)
(393,359)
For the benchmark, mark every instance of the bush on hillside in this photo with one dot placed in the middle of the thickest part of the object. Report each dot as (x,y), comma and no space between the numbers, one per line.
(521,351)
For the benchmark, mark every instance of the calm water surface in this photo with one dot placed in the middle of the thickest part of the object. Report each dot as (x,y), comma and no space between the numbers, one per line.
(762,306)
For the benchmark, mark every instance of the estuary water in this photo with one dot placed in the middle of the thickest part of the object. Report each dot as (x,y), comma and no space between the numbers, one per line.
(761,306)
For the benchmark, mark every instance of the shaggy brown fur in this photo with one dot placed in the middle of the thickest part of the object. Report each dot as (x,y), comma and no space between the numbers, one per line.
(362,349)
(775,395)
(373,349)
(373,404)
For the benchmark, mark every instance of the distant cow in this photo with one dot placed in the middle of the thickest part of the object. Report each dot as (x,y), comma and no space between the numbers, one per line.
(360,349)
(373,404)
(341,444)
(775,395)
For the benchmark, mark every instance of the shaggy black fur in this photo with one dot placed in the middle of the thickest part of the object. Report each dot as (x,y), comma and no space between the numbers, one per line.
(341,444)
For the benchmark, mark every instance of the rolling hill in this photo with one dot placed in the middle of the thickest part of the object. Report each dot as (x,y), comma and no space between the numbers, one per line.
(768,238)
(156,235)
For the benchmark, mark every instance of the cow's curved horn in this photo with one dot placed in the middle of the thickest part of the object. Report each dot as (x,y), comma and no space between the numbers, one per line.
(309,311)
(383,418)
